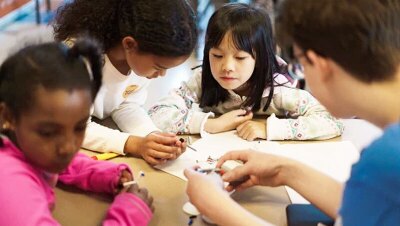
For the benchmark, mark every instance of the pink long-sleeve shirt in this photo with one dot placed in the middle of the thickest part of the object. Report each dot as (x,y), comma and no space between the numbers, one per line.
(27,193)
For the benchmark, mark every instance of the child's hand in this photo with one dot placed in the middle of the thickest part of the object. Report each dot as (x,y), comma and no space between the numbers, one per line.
(141,193)
(155,148)
(227,121)
(125,177)
(251,130)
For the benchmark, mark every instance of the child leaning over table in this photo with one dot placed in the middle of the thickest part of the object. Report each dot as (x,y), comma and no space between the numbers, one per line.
(241,71)
(45,96)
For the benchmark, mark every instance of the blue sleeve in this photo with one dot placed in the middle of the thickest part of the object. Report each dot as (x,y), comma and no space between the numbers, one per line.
(371,195)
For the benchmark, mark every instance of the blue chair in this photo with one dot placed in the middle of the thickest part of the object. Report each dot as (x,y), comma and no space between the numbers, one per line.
(306,215)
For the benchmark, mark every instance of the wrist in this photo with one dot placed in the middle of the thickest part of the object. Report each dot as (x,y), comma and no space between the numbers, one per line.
(209,126)
(132,145)
(289,171)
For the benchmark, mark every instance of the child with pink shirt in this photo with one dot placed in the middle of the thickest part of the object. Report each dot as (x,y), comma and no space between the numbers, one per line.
(46,92)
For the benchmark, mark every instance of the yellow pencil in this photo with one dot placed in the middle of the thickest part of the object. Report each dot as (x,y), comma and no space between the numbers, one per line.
(105,156)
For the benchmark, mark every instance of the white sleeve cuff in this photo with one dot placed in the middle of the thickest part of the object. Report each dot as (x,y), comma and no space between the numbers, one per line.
(197,121)
(110,141)
(276,128)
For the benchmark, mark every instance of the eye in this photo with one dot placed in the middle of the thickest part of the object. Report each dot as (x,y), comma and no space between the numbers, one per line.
(80,128)
(216,55)
(47,133)
(241,57)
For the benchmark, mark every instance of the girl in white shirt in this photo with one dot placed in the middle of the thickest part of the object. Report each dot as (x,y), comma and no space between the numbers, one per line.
(141,39)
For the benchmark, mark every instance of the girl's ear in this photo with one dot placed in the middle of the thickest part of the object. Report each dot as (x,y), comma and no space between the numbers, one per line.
(7,120)
(129,43)
(321,64)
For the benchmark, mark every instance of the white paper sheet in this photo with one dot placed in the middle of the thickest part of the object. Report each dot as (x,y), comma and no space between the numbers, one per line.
(332,158)
(213,146)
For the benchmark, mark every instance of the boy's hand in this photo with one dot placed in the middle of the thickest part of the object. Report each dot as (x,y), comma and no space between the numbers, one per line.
(255,169)
(251,130)
(203,190)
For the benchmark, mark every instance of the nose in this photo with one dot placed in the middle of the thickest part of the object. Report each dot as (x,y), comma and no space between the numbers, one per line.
(68,146)
(228,64)
(162,73)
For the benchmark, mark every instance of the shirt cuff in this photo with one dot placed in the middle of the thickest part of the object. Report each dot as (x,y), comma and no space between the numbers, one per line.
(197,122)
(112,142)
(276,128)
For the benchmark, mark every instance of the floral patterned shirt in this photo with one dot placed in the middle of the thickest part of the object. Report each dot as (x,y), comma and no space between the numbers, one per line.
(293,114)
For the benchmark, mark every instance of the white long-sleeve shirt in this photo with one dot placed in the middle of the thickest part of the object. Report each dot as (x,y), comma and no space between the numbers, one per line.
(300,115)
(120,97)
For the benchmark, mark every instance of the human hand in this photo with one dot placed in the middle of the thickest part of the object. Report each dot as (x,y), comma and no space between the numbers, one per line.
(258,168)
(141,193)
(155,148)
(227,121)
(204,190)
(251,130)
(125,177)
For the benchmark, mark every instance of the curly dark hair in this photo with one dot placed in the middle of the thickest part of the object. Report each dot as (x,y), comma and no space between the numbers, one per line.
(162,28)
(53,66)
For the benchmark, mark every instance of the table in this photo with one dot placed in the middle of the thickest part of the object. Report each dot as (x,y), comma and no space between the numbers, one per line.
(75,207)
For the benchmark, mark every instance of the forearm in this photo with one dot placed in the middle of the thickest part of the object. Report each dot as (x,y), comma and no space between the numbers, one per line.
(92,175)
(318,188)
(213,125)
(233,214)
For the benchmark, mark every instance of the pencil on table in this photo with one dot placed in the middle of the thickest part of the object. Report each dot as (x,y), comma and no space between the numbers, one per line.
(104,156)
(126,184)
(187,144)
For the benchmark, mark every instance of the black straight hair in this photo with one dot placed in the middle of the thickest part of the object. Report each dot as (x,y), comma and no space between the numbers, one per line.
(251,31)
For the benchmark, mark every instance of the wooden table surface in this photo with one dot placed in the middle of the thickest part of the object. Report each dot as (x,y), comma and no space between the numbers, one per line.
(75,207)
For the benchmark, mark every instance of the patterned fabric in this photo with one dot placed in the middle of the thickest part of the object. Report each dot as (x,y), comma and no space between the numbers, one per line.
(293,114)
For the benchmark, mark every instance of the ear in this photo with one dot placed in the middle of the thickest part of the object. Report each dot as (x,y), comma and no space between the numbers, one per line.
(7,119)
(130,44)
(322,64)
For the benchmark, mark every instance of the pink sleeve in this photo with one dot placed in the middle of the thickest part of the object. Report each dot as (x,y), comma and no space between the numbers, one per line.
(23,201)
(92,175)
(128,209)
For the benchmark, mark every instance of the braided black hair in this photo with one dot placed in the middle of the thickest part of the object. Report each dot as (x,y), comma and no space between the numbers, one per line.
(52,66)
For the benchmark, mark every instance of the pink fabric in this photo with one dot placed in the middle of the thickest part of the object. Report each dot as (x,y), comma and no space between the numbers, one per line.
(27,195)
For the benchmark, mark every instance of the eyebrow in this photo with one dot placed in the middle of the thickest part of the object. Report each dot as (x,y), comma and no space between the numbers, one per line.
(162,67)
(54,124)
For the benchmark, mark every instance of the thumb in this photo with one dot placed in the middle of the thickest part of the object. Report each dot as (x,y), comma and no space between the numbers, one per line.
(240,112)
(236,174)
(189,173)
(249,116)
